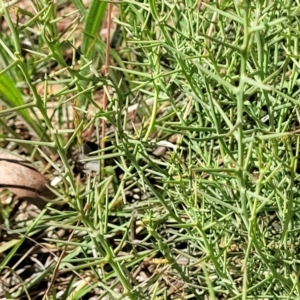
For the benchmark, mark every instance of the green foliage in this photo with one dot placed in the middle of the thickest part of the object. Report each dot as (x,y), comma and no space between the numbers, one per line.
(217,83)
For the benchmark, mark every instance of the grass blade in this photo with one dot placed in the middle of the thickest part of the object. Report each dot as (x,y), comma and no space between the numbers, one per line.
(11,96)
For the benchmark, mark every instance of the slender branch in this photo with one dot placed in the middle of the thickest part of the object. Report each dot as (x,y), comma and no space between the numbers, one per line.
(106,71)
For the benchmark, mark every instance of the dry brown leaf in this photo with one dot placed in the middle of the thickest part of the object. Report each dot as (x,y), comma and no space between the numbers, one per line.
(22,179)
